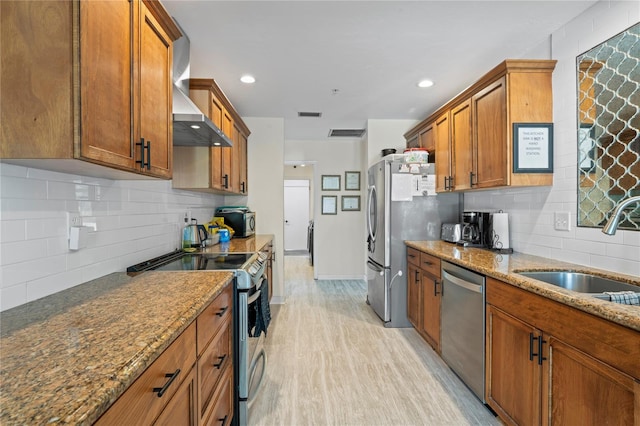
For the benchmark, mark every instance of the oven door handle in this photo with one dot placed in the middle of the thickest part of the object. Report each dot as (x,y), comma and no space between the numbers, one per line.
(252,371)
(253,297)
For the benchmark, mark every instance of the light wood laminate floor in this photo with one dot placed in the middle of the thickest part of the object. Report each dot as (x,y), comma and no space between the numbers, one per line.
(330,361)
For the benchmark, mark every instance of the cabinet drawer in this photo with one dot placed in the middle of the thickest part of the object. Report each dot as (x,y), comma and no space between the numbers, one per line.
(430,264)
(212,364)
(140,404)
(212,318)
(222,412)
(413,256)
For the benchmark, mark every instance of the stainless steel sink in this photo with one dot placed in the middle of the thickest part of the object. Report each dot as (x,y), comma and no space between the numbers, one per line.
(583,283)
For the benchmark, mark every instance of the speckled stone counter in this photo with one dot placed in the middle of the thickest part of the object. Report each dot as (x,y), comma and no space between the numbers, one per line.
(66,358)
(504,267)
(241,245)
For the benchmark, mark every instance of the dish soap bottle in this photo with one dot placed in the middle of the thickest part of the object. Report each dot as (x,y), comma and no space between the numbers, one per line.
(186,235)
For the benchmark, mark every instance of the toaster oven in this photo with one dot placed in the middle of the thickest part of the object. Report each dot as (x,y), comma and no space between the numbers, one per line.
(241,220)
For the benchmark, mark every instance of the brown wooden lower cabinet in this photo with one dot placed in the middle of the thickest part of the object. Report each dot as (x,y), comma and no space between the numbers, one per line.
(181,409)
(196,381)
(550,364)
(424,291)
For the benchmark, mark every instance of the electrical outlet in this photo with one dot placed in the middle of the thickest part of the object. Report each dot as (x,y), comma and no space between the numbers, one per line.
(73,219)
(562,221)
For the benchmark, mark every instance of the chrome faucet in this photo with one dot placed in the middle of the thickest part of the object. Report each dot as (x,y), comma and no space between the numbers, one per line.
(612,224)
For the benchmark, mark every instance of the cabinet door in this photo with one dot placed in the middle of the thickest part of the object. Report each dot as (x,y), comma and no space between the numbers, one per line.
(414,296)
(512,378)
(181,409)
(431,294)
(227,153)
(156,95)
(490,161)
(106,84)
(235,160)
(581,390)
(443,152)
(461,160)
(242,164)
(426,138)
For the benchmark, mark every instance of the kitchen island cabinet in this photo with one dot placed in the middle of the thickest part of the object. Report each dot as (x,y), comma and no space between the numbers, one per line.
(69,356)
(95,86)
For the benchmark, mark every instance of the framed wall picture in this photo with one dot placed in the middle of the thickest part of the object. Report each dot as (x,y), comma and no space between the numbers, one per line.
(331,182)
(350,203)
(532,147)
(352,181)
(329,204)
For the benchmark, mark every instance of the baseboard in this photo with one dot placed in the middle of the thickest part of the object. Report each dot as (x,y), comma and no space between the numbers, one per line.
(339,277)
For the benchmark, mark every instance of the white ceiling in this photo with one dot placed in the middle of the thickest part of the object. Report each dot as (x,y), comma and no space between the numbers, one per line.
(372,52)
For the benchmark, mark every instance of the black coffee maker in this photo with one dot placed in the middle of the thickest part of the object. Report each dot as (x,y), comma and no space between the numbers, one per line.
(476,229)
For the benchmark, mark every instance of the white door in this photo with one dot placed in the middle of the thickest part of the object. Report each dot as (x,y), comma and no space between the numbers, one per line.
(296,214)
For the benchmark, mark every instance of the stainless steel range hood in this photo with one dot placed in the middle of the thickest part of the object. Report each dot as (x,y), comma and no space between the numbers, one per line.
(191,127)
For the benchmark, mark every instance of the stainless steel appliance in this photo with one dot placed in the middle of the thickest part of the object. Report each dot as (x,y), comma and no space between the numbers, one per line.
(241,219)
(390,222)
(476,229)
(250,295)
(463,324)
(451,232)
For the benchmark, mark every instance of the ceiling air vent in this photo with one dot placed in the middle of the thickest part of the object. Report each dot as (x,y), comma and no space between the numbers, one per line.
(346,133)
(309,114)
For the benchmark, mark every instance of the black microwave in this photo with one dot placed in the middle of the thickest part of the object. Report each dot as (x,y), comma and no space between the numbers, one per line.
(242,221)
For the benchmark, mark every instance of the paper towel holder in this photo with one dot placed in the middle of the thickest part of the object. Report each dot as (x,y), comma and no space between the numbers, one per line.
(496,245)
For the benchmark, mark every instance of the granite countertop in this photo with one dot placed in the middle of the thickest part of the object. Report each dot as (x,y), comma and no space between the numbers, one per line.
(504,267)
(66,358)
(241,245)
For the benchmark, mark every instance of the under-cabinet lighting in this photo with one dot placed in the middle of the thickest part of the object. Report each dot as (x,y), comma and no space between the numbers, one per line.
(195,126)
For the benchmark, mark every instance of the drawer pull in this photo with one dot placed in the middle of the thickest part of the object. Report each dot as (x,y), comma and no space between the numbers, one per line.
(412,255)
(220,361)
(222,311)
(223,420)
(163,389)
(426,262)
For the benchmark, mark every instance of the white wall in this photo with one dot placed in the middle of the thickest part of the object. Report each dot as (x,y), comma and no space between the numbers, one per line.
(266,190)
(135,220)
(338,238)
(382,134)
(532,210)
(306,173)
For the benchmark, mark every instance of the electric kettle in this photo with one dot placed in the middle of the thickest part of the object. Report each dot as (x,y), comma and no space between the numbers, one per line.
(197,234)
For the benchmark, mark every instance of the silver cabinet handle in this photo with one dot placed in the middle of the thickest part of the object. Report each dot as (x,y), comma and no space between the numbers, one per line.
(461,283)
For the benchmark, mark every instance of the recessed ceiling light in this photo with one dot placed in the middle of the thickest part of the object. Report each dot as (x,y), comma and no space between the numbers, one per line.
(302,165)
(425,83)
(195,126)
(248,79)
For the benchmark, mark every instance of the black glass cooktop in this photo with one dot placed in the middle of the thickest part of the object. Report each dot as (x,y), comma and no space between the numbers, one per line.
(179,261)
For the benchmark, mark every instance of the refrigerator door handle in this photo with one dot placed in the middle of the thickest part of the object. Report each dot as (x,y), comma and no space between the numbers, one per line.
(373,219)
(375,267)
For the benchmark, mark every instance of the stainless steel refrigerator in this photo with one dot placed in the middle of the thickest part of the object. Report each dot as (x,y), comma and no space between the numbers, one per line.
(393,217)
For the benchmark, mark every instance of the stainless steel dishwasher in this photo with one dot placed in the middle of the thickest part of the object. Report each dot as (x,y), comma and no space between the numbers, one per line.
(462,340)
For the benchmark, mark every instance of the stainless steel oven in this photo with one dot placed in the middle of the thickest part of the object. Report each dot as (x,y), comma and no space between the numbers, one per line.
(250,319)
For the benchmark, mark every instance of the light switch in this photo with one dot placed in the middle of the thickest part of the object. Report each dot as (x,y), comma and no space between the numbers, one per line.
(562,221)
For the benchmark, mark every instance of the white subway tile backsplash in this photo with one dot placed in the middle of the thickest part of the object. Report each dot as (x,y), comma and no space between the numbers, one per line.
(131,221)
(13,296)
(12,230)
(531,210)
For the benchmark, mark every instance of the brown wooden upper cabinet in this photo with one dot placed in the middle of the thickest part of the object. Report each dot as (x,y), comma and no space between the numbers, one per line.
(472,133)
(88,80)
(214,169)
